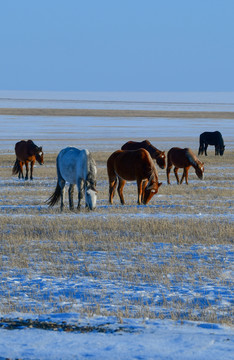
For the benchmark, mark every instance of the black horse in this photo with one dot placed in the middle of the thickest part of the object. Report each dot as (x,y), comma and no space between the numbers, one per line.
(211,138)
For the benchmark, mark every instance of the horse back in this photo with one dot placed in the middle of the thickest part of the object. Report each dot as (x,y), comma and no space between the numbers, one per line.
(178,157)
(130,164)
(212,138)
(72,164)
(146,144)
(22,151)
(26,150)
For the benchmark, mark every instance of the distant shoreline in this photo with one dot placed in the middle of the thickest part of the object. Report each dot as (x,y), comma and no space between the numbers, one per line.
(117,113)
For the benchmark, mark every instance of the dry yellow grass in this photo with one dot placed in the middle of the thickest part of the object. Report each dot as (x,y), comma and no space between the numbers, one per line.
(35,238)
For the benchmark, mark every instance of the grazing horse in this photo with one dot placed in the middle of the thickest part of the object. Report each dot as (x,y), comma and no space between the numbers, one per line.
(130,165)
(26,152)
(183,158)
(211,138)
(77,167)
(156,154)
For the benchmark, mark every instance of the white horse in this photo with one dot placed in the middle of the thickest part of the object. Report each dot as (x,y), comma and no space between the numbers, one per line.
(77,167)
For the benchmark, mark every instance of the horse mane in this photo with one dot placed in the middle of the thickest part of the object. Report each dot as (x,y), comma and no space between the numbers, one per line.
(91,169)
(192,158)
(33,148)
(221,139)
(154,171)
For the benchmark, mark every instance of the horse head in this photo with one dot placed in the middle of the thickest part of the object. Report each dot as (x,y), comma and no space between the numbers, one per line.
(90,194)
(151,189)
(161,160)
(39,155)
(156,154)
(200,170)
(221,150)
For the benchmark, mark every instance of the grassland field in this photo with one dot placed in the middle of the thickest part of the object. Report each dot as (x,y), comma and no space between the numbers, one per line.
(184,235)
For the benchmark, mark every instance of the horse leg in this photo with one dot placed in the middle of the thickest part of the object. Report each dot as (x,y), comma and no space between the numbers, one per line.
(176,174)
(112,187)
(140,190)
(31,170)
(26,166)
(185,175)
(144,184)
(21,170)
(70,195)
(206,146)
(120,190)
(80,187)
(62,184)
(168,173)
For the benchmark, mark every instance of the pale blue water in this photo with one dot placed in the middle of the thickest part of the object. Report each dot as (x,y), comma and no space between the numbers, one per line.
(107,133)
(189,101)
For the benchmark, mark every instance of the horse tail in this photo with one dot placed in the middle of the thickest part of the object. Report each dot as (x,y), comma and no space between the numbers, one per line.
(16,167)
(54,198)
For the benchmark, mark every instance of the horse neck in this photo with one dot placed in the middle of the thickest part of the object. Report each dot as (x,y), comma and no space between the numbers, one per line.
(153,174)
(153,150)
(194,162)
(91,168)
(32,148)
(157,152)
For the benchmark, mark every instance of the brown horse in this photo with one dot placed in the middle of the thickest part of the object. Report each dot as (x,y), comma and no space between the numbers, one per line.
(156,154)
(130,165)
(26,152)
(183,158)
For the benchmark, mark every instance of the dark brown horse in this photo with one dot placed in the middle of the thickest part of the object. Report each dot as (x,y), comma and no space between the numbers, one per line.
(156,154)
(211,138)
(183,158)
(26,152)
(130,165)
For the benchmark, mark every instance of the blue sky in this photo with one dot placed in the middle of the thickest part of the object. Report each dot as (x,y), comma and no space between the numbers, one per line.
(117,45)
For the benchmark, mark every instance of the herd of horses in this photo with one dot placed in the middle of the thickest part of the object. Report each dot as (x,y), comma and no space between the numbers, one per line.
(133,162)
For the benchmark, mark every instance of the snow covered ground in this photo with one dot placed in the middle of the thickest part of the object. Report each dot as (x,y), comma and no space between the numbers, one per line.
(133,339)
(72,335)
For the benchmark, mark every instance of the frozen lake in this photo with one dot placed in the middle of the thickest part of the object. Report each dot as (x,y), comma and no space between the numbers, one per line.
(53,133)
(102,133)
